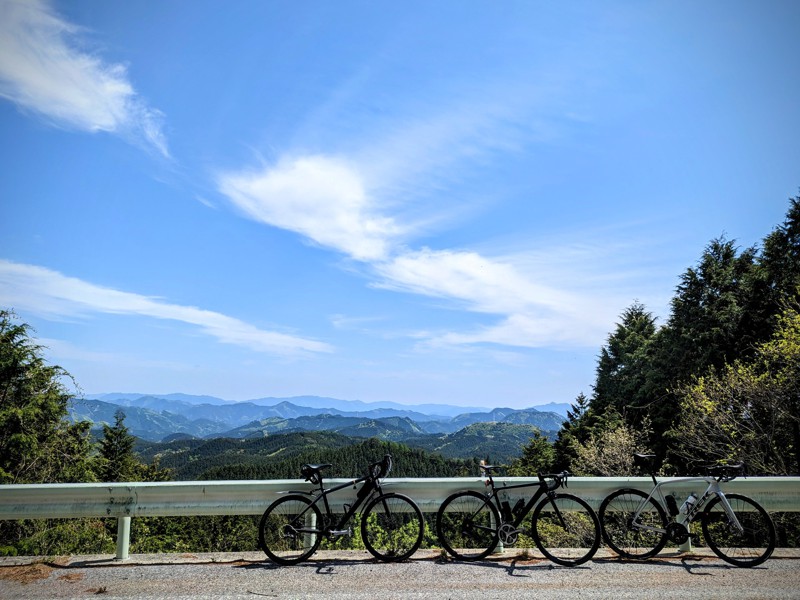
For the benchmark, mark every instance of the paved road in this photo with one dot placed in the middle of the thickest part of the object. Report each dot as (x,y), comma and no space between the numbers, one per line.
(341,576)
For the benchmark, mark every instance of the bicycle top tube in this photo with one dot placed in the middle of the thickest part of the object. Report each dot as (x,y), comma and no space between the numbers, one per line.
(712,483)
(375,471)
(559,479)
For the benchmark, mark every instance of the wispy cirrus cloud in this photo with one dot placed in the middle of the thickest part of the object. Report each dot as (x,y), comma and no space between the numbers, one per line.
(535,308)
(329,202)
(350,204)
(44,70)
(50,293)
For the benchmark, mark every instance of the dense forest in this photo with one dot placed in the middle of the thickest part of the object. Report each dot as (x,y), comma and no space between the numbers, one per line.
(718,381)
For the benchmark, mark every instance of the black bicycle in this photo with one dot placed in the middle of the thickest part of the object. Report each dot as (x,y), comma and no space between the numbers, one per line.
(566,530)
(293,527)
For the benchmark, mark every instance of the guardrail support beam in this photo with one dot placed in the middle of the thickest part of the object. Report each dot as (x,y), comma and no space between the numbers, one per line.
(123,537)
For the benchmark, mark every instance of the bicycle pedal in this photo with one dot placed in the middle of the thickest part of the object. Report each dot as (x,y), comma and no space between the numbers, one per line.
(340,532)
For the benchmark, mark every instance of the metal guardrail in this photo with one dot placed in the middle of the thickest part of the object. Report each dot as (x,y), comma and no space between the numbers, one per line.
(124,501)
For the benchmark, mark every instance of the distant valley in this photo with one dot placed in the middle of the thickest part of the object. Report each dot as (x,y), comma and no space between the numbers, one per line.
(444,429)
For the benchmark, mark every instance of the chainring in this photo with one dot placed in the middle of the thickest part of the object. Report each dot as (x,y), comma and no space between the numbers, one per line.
(508,534)
(678,533)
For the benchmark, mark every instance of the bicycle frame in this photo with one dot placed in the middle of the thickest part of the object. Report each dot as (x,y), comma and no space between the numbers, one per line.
(544,488)
(323,493)
(657,493)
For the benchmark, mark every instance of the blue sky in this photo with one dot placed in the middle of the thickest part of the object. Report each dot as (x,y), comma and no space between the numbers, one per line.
(412,202)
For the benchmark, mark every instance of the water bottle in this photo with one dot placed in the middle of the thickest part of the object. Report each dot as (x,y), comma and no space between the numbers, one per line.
(686,507)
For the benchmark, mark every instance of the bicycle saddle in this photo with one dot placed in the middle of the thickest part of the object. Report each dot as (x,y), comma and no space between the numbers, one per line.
(312,473)
(492,468)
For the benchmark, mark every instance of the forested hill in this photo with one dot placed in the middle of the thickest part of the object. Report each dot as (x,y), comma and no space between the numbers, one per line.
(281,456)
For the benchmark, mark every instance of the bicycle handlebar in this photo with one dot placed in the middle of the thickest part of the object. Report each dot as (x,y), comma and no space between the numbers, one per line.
(381,468)
(726,473)
(559,479)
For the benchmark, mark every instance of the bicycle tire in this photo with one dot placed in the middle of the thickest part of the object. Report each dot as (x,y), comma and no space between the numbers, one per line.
(288,531)
(565,529)
(467,524)
(392,527)
(747,549)
(616,513)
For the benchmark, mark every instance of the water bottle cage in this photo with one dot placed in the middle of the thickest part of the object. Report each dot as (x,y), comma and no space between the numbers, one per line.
(672,506)
(506,510)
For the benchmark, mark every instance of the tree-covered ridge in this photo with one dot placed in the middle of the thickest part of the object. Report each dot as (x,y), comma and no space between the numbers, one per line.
(718,381)
(154,418)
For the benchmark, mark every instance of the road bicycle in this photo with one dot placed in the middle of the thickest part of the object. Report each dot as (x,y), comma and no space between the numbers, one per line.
(471,524)
(293,527)
(736,528)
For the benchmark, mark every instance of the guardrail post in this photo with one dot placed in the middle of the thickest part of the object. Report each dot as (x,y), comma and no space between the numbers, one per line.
(123,537)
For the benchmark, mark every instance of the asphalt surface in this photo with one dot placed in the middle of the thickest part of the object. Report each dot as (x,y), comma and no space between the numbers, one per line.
(354,575)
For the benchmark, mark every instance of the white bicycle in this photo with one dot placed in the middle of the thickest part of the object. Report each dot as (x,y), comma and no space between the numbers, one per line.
(737,529)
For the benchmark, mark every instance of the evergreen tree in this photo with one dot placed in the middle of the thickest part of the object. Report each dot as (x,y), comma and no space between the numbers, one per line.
(538,456)
(777,277)
(574,429)
(37,443)
(623,363)
(117,460)
(707,328)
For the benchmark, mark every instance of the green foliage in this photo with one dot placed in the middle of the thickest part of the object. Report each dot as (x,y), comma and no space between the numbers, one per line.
(349,460)
(497,442)
(748,410)
(117,462)
(725,309)
(609,451)
(538,456)
(622,362)
(37,443)
(54,537)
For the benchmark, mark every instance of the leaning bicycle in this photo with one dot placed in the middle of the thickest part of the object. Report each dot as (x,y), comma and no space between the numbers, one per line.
(737,529)
(293,527)
(471,524)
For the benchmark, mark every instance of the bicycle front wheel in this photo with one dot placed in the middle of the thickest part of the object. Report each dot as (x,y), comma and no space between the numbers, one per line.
(566,529)
(392,527)
(637,540)
(467,524)
(289,530)
(747,548)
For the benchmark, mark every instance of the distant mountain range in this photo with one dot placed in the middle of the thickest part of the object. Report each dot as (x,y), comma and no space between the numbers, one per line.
(155,418)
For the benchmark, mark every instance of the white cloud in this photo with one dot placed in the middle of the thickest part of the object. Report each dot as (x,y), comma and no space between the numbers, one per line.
(43,70)
(532,314)
(46,292)
(319,197)
(486,285)
(547,296)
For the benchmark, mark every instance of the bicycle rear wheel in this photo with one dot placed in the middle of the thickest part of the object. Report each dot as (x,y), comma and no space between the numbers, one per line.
(747,548)
(392,527)
(566,529)
(289,530)
(639,540)
(467,524)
